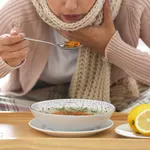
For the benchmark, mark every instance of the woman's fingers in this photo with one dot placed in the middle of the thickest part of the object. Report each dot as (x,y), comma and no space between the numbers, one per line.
(16,47)
(15,62)
(10,40)
(14,55)
(13,47)
(108,20)
(15,31)
(15,58)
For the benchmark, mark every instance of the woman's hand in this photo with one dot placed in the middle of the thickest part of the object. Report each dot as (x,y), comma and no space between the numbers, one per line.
(13,48)
(95,38)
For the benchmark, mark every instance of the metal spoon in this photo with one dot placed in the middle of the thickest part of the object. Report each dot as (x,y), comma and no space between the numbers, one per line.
(62,46)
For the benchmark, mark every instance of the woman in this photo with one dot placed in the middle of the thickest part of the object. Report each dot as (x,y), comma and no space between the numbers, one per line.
(107,67)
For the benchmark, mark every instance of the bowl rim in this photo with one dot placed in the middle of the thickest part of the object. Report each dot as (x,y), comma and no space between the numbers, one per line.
(57,115)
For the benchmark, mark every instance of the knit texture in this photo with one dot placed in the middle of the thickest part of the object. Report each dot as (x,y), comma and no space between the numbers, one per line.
(94,17)
(92,77)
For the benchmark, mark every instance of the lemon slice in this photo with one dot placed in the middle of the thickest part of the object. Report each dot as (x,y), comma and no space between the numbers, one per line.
(134,113)
(142,122)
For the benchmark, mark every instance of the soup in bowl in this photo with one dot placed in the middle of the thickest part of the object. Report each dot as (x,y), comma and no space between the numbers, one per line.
(72,114)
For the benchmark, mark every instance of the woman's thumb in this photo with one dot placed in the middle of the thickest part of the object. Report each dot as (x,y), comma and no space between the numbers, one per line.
(15,31)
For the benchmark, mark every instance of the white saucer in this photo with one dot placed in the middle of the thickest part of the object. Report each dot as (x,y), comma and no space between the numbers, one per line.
(126,131)
(35,124)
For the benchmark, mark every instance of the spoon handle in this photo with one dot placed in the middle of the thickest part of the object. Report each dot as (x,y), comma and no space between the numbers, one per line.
(34,40)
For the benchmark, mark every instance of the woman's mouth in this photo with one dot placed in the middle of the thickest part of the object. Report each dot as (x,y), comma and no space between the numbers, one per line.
(71,18)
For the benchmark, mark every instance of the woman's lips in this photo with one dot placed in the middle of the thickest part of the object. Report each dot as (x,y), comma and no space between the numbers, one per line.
(71,17)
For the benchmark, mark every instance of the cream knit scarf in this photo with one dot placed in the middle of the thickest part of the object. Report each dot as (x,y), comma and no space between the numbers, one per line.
(92,77)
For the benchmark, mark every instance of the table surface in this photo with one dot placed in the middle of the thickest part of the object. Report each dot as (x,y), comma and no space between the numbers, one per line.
(15,134)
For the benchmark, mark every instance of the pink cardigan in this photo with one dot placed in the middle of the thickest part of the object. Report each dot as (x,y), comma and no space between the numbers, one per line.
(132,23)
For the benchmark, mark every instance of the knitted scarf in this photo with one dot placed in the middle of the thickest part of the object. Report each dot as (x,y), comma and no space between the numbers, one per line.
(91,79)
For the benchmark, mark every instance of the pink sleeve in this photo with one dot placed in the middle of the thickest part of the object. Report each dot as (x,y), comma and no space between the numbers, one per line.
(145,24)
(134,62)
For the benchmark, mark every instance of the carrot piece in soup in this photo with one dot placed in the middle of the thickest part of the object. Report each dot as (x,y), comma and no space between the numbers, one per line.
(72,44)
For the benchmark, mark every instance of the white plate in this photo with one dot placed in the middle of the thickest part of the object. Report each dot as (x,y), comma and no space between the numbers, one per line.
(126,131)
(35,124)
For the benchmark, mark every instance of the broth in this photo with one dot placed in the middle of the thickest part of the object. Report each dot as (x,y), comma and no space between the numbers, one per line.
(74,113)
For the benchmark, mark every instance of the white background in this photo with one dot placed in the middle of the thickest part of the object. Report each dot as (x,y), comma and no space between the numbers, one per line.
(2,2)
